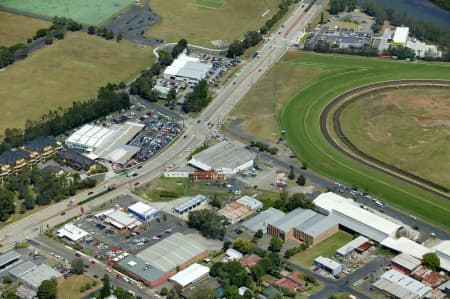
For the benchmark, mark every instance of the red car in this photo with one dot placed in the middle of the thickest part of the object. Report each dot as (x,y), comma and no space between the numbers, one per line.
(119,276)
(136,184)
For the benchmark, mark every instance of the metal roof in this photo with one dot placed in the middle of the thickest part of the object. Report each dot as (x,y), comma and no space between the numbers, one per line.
(401,285)
(71,232)
(250,202)
(22,269)
(35,277)
(188,67)
(354,217)
(198,199)
(222,155)
(122,218)
(8,257)
(172,251)
(261,220)
(293,219)
(406,245)
(352,245)
(443,252)
(400,35)
(191,274)
(317,225)
(406,261)
(327,262)
(139,267)
(142,209)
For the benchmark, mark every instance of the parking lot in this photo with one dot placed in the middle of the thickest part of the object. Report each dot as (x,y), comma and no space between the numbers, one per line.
(107,242)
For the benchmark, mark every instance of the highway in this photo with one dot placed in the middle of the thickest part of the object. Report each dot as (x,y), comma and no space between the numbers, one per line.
(227,97)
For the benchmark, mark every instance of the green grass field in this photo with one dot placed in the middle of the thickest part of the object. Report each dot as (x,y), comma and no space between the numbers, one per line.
(300,118)
(189,19)
(326,248)
(92,12)
(70,69)
(210,3)
(70,287)
(406,127)
(17,29)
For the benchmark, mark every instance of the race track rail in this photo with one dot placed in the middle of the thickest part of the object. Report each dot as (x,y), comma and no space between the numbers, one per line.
(358,155)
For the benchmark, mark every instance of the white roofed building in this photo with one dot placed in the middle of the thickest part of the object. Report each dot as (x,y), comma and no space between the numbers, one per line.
(406,245)
(232,255)
(355,218)
(224,157)
(405,262)
(443,252)
(400,36)
(187,68)
(250,202)
(122,220)
(329,265)
(190,275)
(71,232)
(143,211)
(351,246)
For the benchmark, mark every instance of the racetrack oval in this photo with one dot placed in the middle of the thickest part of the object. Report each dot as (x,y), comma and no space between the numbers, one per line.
(334,109)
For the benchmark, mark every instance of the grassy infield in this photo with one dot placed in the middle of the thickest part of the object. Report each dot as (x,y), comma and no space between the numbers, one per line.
(301,120)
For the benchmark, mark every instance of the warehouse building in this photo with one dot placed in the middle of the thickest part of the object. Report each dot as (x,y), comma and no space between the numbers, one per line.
(251,203)
(190,204)
(22,269)
(143,271)
(143,211)
(261,220)
(187,68)
(121,220)
(177,250)
(224,157)
(192,274)
(35,277)
(284,227)
(400,36)
(109,144)
(355,218)
(399,285)
(351,246)
(9,258)
(235,212)
(329,265)
(406,245)
(71,232)
(405,263)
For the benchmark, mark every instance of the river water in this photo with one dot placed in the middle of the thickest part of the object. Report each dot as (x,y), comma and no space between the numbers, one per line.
(419,9)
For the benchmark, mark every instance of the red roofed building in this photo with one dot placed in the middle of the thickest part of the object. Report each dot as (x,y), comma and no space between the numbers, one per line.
(428,277)
(250,261)
(292,282)
(208,175)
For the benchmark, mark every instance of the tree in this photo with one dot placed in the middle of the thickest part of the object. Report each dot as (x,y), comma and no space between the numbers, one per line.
(164,291)
(119,37)
(301,181)
(291,174)
(6,203)
(259,233)
(231,292)
(227,244)
(216,202)
(77,266)
(243,246)
(275,244)
(92,30)
(208,223)
(49,39)
(431,261)
(321,18)
(179,47)
(105,291)
(47,289)
(235,49)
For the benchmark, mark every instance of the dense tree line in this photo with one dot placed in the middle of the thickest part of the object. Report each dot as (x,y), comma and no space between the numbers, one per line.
(9,55)
(38,187)
(208,223)
(198,99)
(325,47)
(58,121)
(283,8)
(337,6)
(237,48)
(297,200)
(179,47)
(400,52)
(444,4)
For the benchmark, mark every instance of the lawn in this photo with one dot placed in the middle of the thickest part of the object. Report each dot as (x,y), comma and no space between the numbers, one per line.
(17,29)
(92,12)
(406,127)
(70,69)
(300,118)
(70,287)
(225,20)
(326,248)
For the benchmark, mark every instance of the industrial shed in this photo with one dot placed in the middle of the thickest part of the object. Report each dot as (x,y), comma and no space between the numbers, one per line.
(224,157)
(190,204)
(22,269)
(187,68)
(250,202)
(261,220)
(333,267)
(401,286)
(190,275)
(355,218)
(35,277)
(143,271)
(71,232)
(177,250)
(443,252)
(405,263)
(9,258)
(122,220)
(143,211)
(406,245)
(351,246)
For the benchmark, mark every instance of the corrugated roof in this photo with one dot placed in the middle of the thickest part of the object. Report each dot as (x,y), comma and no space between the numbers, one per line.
(293,219)
(401,285)
(317,225)
(172,251)
(22,269)
(36,276)
(352,245)
(190,274)
(190,203)
(329,263)
(142,209)
(139,267)
(406,245)
(8,257)
(250,202)
(406,261)
(261,220)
